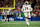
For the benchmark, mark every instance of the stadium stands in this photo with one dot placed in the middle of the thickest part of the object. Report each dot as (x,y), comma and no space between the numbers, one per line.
(18,5)
(6,3)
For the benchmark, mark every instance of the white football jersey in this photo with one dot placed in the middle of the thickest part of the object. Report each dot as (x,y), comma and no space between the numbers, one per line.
(7,12)
(26,8)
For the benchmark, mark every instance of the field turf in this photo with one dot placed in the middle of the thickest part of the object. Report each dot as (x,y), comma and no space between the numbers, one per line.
(19,24)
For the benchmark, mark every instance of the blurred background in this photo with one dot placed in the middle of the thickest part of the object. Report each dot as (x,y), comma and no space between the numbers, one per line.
(6,3)
(18,15)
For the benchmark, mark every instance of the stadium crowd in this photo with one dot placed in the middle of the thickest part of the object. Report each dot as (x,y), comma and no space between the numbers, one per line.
(18,4)
(6,3)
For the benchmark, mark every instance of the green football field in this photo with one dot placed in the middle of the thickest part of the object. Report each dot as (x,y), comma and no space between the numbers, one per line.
(19,24)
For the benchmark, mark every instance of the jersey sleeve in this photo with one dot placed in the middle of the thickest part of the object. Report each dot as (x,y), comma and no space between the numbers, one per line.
(30,8)
(23,8)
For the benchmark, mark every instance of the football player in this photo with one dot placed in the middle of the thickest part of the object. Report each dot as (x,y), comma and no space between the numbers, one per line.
(26,10)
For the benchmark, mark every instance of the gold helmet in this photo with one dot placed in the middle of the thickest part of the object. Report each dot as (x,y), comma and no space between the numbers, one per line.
(26,2)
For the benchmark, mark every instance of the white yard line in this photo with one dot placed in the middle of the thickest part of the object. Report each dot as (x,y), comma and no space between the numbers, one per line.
(11,23)
(19,23)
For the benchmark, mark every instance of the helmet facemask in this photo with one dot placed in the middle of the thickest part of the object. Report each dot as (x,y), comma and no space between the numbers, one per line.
(26,3)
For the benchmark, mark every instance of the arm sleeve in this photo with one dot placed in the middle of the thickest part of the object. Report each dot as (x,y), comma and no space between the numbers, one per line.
(22,8)
(31,8)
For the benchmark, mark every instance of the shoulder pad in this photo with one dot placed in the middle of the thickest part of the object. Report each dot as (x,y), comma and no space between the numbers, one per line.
(23,5)
(29,5)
